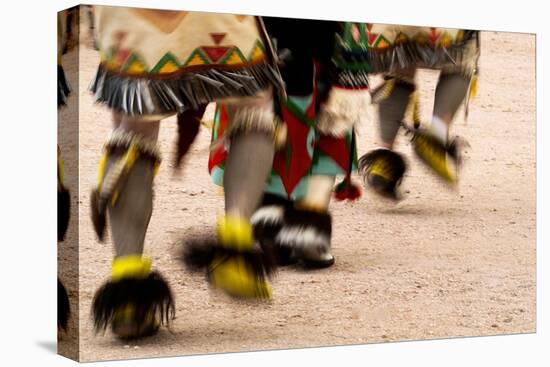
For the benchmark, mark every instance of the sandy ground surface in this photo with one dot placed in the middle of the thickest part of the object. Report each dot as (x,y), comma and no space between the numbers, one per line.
(438,264)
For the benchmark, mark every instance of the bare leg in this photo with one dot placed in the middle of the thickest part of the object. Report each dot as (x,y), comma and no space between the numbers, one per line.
(117,119)
(392,109)
(246,171)
(237,267)
(449,94)
(318,194)
(129,218)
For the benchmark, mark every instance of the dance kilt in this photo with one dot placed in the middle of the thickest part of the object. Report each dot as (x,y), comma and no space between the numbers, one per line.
(160,62)
(396,47)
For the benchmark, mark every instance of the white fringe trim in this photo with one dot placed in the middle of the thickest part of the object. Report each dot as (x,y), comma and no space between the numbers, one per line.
(123,138)
(344,109)
(272,214)
(302,237)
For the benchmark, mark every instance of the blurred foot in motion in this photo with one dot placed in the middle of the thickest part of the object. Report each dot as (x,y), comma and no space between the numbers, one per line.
(135,301)
(454,53)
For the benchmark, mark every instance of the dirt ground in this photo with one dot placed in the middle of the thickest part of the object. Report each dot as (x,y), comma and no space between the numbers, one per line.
(438,264)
